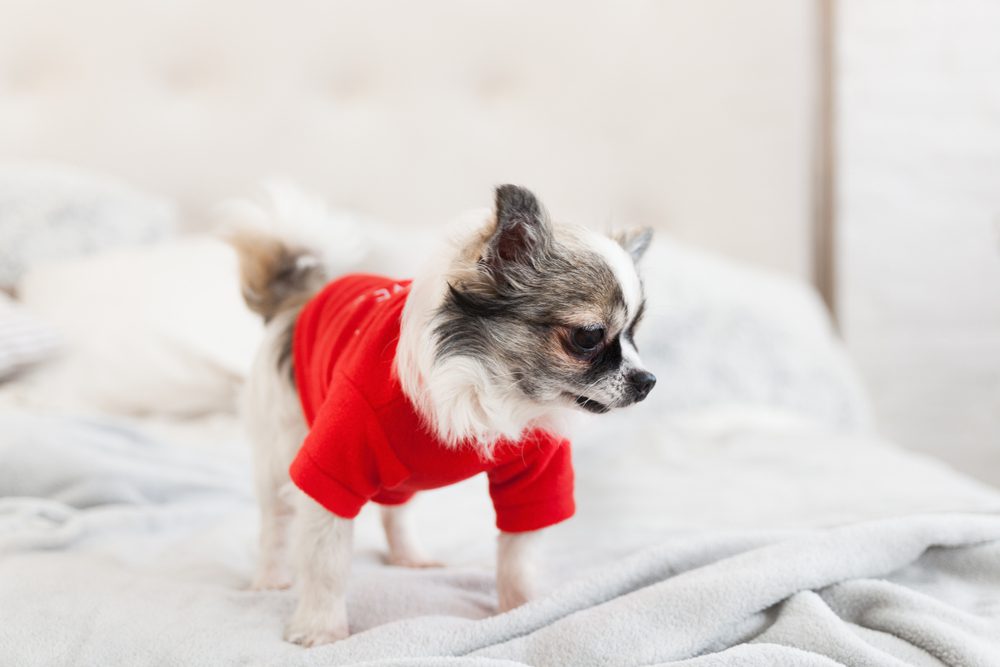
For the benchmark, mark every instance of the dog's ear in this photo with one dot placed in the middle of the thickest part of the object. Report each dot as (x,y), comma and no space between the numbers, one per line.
(523,231)
(635,240)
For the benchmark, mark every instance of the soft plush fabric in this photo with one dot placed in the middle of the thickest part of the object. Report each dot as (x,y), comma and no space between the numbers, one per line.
(367,442)
(118,549)
(24,340)
(50,212)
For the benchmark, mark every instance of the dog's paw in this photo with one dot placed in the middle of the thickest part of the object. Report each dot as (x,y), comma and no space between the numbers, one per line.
(271,581)
(309,633)
(511,597)
(413,561)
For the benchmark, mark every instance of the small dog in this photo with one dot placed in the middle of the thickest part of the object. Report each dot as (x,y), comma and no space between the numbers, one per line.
(369,388)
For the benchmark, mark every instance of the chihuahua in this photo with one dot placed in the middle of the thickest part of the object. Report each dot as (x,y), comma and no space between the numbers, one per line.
(370,389)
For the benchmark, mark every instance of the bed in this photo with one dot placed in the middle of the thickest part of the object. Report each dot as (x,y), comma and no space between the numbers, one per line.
(746,514)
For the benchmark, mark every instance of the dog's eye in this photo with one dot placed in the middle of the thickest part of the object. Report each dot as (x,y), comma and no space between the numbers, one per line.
(587,338)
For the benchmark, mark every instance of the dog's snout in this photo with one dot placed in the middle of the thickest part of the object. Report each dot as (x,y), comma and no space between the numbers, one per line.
(642,383)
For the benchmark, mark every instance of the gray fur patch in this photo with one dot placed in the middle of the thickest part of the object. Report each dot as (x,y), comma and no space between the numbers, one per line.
(286,358)
(516,306)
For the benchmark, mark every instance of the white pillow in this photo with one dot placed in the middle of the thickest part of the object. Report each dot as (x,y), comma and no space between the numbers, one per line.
(52,212)
(164,330)
(721,333)
(24,341)
(160,329)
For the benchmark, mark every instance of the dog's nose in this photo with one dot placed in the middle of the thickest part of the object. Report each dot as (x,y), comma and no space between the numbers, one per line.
(642,384)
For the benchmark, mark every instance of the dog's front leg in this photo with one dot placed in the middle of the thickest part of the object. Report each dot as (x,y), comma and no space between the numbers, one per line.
(321,544)
(516,568)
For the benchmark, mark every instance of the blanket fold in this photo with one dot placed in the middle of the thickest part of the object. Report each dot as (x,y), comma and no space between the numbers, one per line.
(150,566)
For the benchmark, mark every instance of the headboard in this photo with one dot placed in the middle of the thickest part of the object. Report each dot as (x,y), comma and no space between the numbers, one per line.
(695,117)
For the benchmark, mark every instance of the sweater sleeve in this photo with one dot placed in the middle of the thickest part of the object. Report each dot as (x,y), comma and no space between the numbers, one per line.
(345,459)
(535,490)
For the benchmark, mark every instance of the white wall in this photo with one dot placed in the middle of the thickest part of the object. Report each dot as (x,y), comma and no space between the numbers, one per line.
(919,224)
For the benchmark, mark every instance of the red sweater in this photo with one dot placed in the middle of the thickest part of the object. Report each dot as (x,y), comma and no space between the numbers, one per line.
(366,440)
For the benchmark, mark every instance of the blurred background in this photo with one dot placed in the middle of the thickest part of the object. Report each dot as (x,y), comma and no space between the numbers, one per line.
(852,145)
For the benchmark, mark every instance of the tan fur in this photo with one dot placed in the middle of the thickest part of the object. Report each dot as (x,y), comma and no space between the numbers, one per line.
(274,276)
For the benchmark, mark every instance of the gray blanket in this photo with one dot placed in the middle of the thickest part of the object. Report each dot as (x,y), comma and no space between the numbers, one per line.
(116,549)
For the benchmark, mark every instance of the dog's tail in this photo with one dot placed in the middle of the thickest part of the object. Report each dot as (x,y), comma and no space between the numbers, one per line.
(288,245)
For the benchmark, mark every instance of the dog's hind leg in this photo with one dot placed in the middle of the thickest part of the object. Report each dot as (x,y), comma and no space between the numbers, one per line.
(276,429)
(404,550)
(273,570)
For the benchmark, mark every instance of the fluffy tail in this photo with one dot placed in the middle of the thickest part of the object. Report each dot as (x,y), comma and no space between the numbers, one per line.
(288,245)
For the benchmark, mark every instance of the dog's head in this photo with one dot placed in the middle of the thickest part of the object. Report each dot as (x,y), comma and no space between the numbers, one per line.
(530,316)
